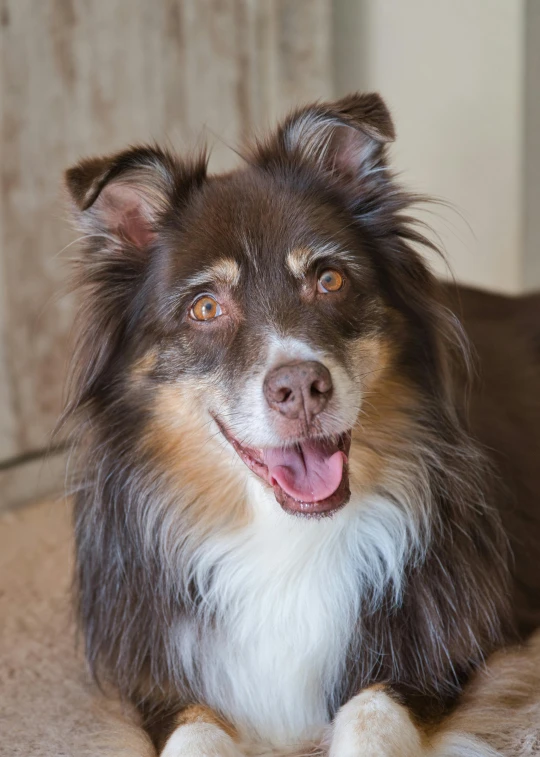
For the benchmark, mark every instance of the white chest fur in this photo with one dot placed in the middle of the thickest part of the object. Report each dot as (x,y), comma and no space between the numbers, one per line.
(284,596)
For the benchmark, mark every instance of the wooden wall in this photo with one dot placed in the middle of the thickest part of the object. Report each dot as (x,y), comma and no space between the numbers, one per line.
(79,77)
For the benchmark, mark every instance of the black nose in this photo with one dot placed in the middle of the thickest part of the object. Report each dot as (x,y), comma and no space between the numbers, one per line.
(298,390)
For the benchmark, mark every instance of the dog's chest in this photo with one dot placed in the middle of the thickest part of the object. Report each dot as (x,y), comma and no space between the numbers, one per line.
(286,599)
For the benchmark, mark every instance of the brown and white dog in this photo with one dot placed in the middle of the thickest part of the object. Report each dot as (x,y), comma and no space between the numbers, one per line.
(293,509)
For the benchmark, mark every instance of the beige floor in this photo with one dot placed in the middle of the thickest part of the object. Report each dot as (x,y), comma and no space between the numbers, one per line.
(48,708)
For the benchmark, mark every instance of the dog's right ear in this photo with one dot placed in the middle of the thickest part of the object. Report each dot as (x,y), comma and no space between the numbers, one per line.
(125,195)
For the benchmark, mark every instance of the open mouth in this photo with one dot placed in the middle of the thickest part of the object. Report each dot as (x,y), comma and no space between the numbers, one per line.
(310,478)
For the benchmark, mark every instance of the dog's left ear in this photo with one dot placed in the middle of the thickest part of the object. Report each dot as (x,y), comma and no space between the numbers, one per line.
(345,138)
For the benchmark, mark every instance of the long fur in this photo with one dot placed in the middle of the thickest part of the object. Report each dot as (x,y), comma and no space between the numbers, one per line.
(192,584)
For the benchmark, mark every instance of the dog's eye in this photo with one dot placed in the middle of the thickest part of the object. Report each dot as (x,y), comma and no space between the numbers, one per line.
(205,308)
(329,281)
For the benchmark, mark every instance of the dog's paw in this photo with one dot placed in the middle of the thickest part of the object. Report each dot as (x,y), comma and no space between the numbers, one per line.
(200,740)
(373,724)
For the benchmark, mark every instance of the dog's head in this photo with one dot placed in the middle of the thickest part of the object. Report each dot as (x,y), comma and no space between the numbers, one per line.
(266,306)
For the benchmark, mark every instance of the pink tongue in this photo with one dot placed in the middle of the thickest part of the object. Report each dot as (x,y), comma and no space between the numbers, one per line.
(309,473)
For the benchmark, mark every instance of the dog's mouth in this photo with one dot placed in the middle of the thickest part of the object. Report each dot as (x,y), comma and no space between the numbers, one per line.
(310,478)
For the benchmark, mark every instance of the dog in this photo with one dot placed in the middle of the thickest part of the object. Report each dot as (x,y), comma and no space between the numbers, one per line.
(302,519)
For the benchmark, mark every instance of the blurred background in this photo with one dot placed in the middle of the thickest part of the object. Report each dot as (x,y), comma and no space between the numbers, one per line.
(79,77)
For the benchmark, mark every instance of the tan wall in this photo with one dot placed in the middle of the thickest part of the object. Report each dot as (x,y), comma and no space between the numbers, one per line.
(531,262)
(452,72)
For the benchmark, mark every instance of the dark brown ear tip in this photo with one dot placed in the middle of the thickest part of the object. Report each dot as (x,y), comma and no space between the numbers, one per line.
(386,126)
(82,181)
(74,183)
(87,178)
(371,114)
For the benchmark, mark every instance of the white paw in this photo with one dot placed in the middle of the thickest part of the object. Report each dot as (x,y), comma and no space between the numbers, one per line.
(372,724)
(200,740)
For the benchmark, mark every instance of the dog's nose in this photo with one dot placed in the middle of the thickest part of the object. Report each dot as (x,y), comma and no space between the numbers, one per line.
(298,389)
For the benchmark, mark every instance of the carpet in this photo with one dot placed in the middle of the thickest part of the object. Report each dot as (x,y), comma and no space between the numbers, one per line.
(48,704)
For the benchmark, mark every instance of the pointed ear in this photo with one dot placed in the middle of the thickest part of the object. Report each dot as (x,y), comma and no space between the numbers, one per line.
(345,138)
(125,195)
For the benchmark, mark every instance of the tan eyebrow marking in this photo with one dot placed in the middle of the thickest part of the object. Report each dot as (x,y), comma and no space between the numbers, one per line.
(225,271)
(300,259)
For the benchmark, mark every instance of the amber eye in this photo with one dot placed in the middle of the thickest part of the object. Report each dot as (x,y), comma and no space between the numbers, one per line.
(205,308)
(329,281)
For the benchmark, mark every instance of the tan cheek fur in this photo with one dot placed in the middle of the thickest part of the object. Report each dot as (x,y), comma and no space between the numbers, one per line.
(185,445)
(142,368)
(383,423)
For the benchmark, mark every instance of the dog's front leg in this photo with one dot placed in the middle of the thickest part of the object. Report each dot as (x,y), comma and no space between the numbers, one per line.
(199,732)
(374,724)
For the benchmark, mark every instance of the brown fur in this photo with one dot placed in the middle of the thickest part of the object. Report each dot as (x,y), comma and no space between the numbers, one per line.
(505,415)
(384,421)
(158,478)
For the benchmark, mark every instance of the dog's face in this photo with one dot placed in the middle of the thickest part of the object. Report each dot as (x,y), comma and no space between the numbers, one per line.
(277,318)
(255,300)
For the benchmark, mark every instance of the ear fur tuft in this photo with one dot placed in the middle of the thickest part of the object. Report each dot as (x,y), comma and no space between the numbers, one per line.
(124,195)
(345,138)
